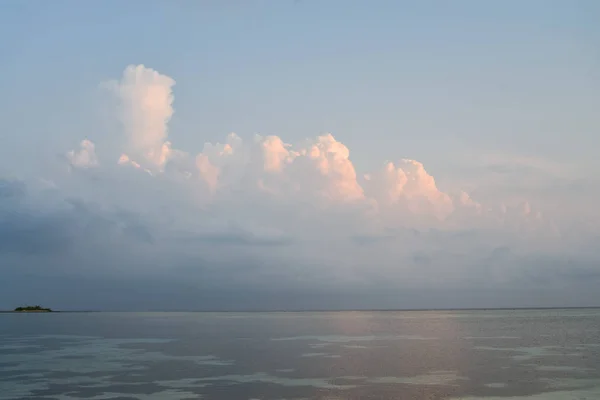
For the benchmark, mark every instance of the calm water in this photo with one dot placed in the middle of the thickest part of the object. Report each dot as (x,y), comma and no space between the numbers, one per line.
(550,354)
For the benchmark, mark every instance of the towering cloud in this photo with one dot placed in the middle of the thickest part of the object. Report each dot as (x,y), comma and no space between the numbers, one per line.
(145,101)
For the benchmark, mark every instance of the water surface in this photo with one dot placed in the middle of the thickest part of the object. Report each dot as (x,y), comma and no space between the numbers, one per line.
(523,354)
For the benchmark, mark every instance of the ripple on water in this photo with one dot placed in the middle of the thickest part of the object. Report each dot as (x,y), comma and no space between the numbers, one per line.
(25,373)
(528,353)
(497,385)
(350,339)
(580,389)
(162,395)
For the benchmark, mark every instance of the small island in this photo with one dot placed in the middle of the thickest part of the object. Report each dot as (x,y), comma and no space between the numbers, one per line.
(32,309)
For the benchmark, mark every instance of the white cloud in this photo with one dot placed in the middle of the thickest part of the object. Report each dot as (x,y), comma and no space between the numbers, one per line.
(323,167)
(406,187)
(145,108)
(316,179)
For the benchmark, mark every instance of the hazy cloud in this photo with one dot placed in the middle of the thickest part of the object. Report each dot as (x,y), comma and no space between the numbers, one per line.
(248,220)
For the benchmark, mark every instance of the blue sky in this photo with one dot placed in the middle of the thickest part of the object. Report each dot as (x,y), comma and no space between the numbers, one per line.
(514,77)
(498,99)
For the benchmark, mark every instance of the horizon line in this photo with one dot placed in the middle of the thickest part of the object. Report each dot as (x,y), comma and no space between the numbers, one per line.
(313,310)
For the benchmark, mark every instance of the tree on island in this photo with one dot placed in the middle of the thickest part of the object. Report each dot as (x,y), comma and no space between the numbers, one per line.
(32,308)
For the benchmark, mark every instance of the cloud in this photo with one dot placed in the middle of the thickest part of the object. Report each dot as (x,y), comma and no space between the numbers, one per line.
(239,236)
(42,223)
(405,189)
(11,190)
(263,218)
(145,101)
(22,230)
(85,157)
(324,168)
(315,173)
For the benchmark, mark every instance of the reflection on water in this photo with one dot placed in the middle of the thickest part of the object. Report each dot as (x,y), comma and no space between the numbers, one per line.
(536,354)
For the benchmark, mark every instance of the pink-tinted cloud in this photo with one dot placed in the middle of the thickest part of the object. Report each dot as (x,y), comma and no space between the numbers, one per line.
(145,101)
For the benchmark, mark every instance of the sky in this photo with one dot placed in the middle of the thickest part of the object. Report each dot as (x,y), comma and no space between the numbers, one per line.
(259,155)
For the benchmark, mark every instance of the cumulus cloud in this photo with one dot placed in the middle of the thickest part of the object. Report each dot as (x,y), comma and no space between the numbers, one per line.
(405,190)
(324,168)
(256,213)
(145,106)
(318,171)
(268,174)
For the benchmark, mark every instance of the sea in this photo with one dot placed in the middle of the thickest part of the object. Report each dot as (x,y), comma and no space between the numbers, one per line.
(546,354)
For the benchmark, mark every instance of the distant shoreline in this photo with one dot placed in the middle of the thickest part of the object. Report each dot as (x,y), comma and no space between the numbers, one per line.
(44,312)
